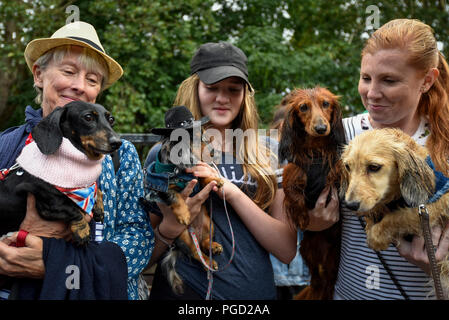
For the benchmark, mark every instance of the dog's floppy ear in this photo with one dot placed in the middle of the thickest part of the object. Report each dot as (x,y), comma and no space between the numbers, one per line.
(47,133)
(416,178)
(287,136)
(344,179)
(337,132)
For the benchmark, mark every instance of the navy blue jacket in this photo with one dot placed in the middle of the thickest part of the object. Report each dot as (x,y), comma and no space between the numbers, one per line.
(102,266)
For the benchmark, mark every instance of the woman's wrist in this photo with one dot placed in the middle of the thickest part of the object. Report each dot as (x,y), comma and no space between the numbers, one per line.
(167,232)
(231,193)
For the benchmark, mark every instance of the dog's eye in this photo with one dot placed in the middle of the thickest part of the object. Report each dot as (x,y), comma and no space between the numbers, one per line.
(88,117)
(348,168)
(325,104)
(304,107)
(374,167)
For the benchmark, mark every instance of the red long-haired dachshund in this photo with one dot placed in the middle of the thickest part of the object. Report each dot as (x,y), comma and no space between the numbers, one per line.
(311,139)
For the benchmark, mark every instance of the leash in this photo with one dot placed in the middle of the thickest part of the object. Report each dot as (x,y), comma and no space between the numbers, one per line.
(210,270)
(386,267)
(430,248)
(5,172)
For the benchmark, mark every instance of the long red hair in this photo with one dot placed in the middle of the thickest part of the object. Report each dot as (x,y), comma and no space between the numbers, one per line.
(418,39)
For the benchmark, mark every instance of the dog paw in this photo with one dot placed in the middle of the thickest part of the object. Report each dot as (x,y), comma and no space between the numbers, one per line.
(214,265)
(376,240)
(220,182)
(98,214)
(216,248)
(98,209)
(181,210)
(183,219)
(80,232)
(206,181)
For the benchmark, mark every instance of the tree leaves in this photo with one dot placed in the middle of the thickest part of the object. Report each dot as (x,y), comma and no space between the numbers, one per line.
(289,43)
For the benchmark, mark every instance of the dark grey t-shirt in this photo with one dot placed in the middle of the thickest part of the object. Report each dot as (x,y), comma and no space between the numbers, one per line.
(250,274)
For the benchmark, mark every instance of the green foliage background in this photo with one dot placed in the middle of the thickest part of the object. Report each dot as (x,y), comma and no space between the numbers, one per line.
(289,43)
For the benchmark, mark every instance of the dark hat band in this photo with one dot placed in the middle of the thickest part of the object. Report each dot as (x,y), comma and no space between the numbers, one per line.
(91,43)
(183,124)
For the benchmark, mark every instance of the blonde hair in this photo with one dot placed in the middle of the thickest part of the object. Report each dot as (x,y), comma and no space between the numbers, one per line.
(88,59)
(417,38)
(250,153)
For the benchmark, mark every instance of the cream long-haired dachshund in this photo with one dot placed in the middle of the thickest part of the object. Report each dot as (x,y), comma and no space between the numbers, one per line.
(386,175)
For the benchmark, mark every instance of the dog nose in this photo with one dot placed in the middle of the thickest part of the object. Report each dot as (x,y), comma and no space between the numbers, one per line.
(115,143)
(320,129)
(353,205)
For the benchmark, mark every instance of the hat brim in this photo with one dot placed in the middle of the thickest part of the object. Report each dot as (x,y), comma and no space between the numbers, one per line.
(216,74)
(168,131)
(36,48)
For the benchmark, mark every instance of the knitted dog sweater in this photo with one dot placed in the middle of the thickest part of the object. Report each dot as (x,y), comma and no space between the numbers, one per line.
(68,169)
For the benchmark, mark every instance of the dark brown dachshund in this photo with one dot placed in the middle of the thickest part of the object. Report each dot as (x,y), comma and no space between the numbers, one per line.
(311,137)
(86,127)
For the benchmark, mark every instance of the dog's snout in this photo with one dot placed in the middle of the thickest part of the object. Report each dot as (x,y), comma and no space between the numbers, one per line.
(321,128)
(115,142)
(353,205)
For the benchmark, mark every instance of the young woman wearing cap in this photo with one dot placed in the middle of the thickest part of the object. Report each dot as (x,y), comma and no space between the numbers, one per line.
(219,88)
(72,65)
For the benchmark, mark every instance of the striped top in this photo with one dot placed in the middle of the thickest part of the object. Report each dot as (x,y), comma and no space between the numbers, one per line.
(361,275)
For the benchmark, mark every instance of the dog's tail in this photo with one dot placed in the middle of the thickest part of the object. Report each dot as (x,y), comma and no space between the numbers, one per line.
(168,265)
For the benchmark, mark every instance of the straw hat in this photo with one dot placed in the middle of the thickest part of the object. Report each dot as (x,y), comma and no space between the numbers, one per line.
(77,33)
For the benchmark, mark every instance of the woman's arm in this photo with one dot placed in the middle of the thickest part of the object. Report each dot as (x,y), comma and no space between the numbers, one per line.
(27,262)
(322,217)
(169,226)
(415,251)
(272,231)
(128,225)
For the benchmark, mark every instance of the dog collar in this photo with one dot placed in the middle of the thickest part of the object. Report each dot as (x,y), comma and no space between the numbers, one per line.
(398,203)
(83,197)
(160,167)
(170,172)
(441,182)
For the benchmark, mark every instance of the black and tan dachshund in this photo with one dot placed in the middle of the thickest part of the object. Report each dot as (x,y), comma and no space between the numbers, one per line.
(165,179)
(88,127)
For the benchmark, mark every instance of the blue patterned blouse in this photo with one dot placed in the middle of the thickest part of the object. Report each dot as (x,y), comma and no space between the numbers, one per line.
(125,222)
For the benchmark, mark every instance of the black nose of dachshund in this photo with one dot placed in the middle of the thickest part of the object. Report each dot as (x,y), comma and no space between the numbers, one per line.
(115,143)
(353,205)
(320,129)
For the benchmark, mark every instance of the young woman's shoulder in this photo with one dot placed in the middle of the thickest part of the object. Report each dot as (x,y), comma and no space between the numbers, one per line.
(355,125)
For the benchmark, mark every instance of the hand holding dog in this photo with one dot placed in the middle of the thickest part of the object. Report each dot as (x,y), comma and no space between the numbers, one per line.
(24,262)
(322,216)
(415,251)
(204,170)
(27,261)
(172,228)
(37,226)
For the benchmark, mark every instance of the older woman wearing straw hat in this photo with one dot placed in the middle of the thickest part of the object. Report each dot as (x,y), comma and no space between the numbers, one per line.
(73,65)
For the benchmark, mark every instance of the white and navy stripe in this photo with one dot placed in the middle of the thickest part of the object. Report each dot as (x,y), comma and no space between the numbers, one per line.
(359,265)
(4,294)
(99,227)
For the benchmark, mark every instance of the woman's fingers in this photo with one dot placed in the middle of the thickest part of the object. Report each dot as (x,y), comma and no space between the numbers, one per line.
(443,244)
(187,191)
(202,170)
